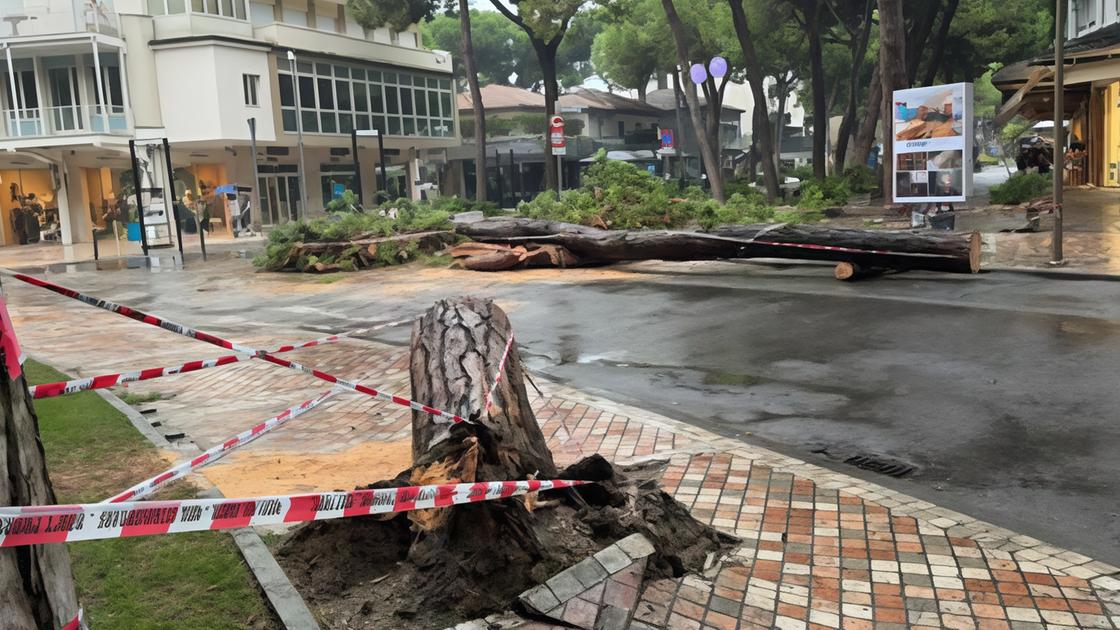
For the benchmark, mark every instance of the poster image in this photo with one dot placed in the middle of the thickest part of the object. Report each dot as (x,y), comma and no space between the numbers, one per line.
(933,137)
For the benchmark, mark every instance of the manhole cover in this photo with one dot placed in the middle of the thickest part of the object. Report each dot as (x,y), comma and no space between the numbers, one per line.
(881,465)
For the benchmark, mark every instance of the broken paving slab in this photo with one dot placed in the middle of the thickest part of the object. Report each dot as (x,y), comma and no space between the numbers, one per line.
(597,593)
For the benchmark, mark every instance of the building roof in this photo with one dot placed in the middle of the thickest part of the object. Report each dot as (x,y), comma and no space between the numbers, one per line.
(665,99)
(1095,46)
(587,98)
(496,96)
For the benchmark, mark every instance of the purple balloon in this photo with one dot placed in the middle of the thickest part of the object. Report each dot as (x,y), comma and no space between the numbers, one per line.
(718,67)
(698,73)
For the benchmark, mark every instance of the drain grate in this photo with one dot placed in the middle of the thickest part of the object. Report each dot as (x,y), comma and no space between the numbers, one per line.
(883,466)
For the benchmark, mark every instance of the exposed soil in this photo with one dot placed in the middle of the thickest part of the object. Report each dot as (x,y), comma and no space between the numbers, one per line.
(357,573)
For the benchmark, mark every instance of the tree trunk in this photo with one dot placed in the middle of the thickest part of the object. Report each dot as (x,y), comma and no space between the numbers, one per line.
(678,95)
(546,57)
(859,51)
(707,152)
(820,106)
(36,583)
(865,137)
(782,88)
(467,48)
(762,134)
(938,55)
(643,89)
(955,253)
(917,36)
(892,73)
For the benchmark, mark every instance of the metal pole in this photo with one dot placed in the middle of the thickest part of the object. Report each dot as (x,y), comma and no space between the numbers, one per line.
(384,185)
(173,200)
(202,237)
(498,178)
(255,198)
(514,185)
(357,166)
(96,253)
(299,131)
(1056,254)
(139,197)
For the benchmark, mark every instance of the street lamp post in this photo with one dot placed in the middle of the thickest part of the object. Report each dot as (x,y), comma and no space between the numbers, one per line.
(382,185)
(299,131)
(1057,256)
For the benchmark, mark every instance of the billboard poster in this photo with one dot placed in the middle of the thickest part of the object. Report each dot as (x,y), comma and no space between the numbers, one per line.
(933,130)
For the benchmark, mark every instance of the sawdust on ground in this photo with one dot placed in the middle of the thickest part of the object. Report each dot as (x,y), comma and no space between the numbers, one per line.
(271,472)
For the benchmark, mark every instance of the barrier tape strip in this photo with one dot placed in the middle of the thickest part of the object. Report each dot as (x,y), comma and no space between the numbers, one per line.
(212,455)
(498,376)
(48,390)
(77,623)
(37,525)
(187,331)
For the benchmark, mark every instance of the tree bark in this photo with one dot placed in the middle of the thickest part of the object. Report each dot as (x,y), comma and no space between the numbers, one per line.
(756,80)
(859,51)
(820,106)
(707,152)
(467,47)
(865,137)
(917,36)
(36,583)
(782,87)
(955,253)
(892,73)
(546,56)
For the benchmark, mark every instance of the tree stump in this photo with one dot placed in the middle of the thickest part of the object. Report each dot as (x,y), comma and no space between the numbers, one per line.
(36,583)
(435,568)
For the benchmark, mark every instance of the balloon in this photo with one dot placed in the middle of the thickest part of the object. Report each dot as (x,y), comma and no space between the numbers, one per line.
(718,67)
(698,73)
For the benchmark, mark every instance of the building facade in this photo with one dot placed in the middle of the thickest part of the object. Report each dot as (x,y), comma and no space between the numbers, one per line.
(1091,92)
(83,77)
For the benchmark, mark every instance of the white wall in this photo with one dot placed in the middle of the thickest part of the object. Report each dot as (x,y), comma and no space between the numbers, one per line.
(201,93)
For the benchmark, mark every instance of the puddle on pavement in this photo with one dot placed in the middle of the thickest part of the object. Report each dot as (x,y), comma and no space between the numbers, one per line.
(284,472)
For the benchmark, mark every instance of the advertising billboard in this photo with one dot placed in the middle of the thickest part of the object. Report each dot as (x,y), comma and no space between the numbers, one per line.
(933,130)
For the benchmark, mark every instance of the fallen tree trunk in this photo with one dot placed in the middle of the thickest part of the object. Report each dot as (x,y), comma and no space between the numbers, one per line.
(434,568)
(957,253)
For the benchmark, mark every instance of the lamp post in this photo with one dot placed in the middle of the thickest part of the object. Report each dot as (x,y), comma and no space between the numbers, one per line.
(699,73)
(1057,257)
(299,131)
(382,185)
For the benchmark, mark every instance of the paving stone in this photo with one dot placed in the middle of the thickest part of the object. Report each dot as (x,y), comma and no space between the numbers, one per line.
(565,586)
(636,546)
(612,618)
(613,558)
(540,598)
(588,571)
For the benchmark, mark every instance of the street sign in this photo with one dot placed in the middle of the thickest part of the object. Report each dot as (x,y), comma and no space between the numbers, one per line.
(556,137)
(668,140)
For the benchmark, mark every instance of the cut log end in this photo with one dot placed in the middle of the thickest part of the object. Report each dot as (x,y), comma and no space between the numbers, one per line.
(846,271)
(974,252)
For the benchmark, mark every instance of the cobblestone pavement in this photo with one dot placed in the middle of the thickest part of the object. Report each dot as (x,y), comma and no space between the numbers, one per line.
(820,549)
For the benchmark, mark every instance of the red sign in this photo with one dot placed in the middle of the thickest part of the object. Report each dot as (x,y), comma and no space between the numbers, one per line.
(556,137)
(668,141)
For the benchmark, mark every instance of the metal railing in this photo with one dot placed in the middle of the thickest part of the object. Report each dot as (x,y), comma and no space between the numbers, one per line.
(29,122)
(23,18)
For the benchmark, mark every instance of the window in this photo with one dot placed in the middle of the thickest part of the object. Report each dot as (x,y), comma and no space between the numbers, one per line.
(621,129)
(261,13)
(295,17)
(251,83)
(1085,15)
(336,98)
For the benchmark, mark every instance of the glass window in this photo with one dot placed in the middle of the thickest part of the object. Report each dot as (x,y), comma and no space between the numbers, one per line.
(392,106)
(409,126)
(328,122)
(326,94)
(376,102)
(374,75)
(394,126)
(289,116)
(323,69)
(445,103)
(406,101)
(342,95)
(287,95)
(391,77)
(360,75)
(361,121)
(295,17)
(197,6)
(326,23)
(176,6)
(226,8)
(306,92)
(361,98)
(251,85)
(421,103)
(310,121)
(378,123)
(345,123)
(156,7)
(239,9)
(261,13)
(433,103)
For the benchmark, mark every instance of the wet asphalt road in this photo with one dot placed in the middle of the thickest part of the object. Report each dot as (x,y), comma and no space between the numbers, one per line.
(1001,389)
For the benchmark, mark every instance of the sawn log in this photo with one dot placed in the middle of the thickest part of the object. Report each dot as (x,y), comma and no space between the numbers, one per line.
(902,250)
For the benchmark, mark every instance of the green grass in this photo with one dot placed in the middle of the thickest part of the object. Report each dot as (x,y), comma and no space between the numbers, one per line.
(186,581)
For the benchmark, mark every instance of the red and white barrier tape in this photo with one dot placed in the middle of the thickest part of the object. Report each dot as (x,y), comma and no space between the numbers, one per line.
(187,331)
(77,623)
(498,376)
(48,390)
(212,455)
(36,525)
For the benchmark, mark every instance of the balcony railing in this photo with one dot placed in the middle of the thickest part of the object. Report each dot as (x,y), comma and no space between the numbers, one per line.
(21,18)
(31,122)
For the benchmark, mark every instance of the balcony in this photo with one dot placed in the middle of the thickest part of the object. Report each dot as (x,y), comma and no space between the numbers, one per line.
(66,120)
(305,38)
(31,18)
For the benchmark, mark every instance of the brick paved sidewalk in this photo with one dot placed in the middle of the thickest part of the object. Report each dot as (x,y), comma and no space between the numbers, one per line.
(819,549)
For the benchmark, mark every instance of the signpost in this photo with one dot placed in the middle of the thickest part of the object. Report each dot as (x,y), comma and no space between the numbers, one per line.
(559,145)
(932,136)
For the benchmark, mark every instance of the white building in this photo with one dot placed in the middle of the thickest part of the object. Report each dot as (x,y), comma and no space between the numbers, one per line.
(82,77)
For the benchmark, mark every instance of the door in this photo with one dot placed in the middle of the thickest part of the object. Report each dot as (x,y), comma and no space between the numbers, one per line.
(279,198)
(65,112)
(21,110)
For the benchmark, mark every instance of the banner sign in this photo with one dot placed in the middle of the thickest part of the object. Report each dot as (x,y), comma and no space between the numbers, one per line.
(933,137)
(556,137)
